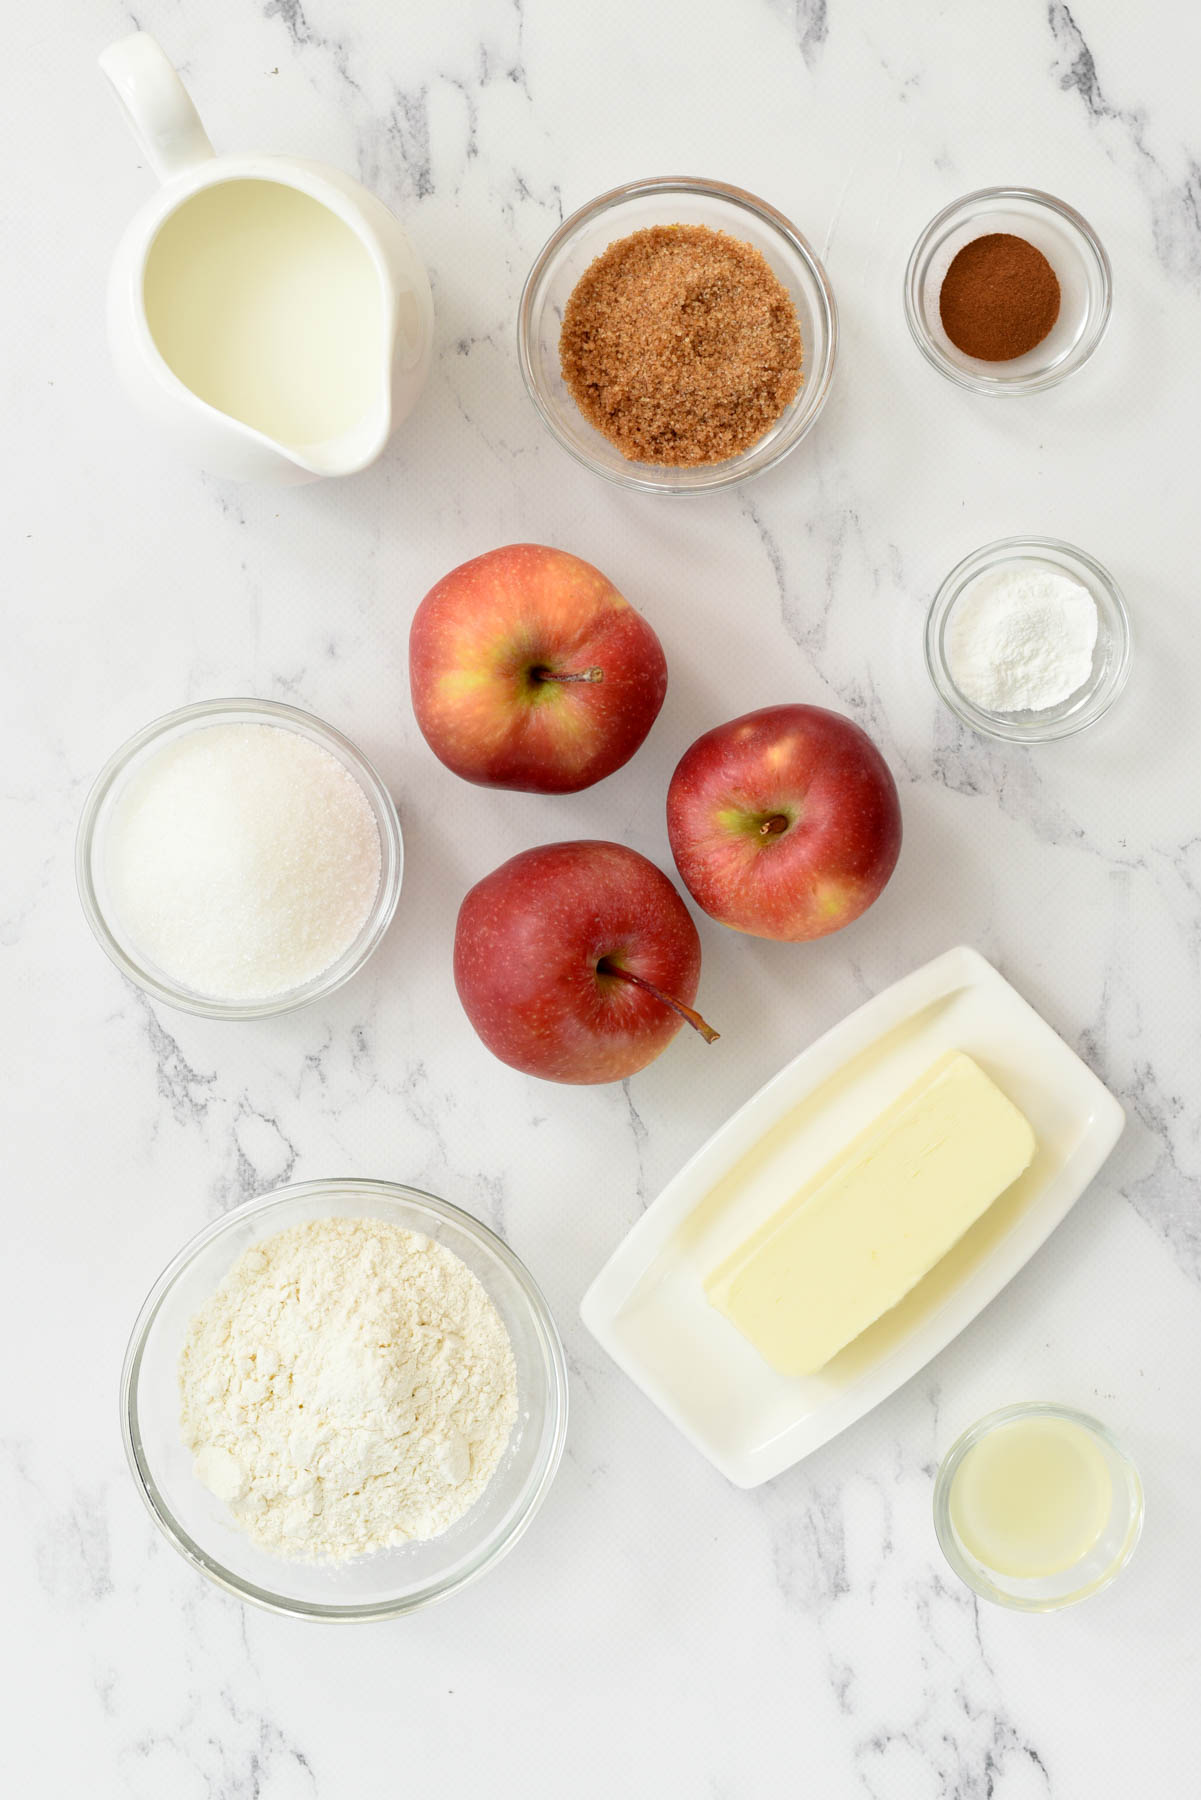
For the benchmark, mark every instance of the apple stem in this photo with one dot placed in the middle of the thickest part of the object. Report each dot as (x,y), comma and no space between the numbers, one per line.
(775,825)
(578,675)
(605,967)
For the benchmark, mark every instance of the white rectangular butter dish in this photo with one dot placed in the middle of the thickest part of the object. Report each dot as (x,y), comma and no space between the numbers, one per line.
(648,1308)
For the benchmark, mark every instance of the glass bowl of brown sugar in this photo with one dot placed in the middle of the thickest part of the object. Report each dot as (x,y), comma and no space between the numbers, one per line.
(1002,252)
(723,434)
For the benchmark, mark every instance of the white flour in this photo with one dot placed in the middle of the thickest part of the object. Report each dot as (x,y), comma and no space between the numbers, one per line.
(1021,638)
(349,1386)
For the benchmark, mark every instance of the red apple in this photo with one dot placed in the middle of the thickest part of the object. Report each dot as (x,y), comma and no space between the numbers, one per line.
(529,670)
(784,823)
(577,962)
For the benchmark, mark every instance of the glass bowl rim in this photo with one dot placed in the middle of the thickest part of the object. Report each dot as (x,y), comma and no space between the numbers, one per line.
(948,592)
(945,1532)
(555,1368)
(340,971)
(734,469)
(1037,380)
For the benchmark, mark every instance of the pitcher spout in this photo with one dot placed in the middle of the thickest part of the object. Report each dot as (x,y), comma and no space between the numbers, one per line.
(351,450)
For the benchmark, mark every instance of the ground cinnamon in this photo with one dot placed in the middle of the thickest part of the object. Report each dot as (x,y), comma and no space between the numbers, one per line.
(999,298)
(680,345)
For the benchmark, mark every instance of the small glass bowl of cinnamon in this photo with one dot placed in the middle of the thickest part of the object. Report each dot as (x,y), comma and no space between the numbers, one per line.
(639,207)
(1075,255)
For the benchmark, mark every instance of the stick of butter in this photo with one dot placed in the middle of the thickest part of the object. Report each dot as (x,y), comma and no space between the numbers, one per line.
(856,1238)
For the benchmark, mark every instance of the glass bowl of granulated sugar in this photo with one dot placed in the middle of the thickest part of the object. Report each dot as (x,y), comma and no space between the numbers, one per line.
(344,1400)
(239,858)
(1028,639)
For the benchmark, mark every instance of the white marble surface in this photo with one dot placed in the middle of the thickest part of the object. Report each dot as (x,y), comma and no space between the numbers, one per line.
(657,1633)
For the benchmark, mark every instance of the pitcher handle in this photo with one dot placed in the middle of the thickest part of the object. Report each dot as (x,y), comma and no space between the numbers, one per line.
(156,105)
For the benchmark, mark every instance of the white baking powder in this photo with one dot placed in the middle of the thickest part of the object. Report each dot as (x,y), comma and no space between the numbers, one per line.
(348,1387)
(1021,638)
(243,860)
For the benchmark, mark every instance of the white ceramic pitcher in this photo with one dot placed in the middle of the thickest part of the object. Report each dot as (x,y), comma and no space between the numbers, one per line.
(270,315)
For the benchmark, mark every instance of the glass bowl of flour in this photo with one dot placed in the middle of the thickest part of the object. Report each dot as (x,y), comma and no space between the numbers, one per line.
(1028,639)
(344,1400)
(239,858)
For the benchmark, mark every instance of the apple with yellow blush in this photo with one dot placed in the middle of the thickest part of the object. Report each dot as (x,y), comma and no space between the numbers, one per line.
(784,823)
(529,670)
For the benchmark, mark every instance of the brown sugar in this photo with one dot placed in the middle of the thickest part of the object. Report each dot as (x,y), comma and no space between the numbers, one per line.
(999,298)
(680,345)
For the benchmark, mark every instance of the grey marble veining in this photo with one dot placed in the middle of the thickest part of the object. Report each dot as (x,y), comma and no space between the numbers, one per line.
(657,1632)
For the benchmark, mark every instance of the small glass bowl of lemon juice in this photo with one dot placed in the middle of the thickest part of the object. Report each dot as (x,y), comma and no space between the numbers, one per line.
(1037,1506)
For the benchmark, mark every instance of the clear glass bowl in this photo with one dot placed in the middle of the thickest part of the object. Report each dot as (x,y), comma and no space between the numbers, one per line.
(1095,1570)
(1072,248)
(1111,657)
(393,1581)
(91,846)
(673,200)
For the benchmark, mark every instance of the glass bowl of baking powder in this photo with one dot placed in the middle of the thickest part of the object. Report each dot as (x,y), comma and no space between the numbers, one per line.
(1005,604)
(389,1581)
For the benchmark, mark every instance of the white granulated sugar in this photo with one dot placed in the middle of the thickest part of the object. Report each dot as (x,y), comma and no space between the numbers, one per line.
(243,860)
(1021,638)
(350,1386)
